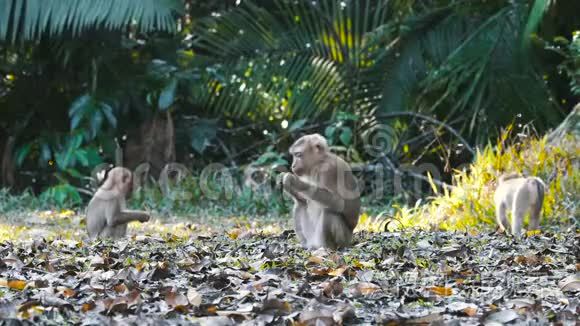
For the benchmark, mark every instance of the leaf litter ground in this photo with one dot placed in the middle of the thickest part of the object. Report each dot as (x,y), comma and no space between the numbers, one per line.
(257,274)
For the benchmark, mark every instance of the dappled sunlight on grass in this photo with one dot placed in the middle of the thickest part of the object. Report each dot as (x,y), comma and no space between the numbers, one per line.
(10,232)
(68,225)
(66,213)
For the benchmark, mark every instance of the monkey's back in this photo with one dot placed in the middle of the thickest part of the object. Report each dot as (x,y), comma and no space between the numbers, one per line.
(96,214)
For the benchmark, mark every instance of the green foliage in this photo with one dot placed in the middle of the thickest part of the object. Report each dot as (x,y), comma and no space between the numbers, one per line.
(475,71)
(462,62)
(203,132)
(61,196)
(241,81)
(271,158)
(470,202)
(88,114)
(30,19)
(570,50)
(217,197)
(10,203)
(67,158)
(341,130)
(299,60)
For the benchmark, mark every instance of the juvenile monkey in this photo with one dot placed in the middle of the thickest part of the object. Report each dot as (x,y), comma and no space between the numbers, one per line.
(325,193)
(106,212)
(518,195)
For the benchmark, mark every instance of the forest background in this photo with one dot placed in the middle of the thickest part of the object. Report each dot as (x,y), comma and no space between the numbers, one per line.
(399,88)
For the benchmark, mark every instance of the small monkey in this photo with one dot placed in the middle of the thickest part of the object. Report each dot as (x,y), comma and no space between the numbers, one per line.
(106,213)
(518,195)
(325,193)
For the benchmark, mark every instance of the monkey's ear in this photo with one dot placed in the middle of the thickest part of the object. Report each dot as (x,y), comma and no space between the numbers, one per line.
(126,177)
(319,142)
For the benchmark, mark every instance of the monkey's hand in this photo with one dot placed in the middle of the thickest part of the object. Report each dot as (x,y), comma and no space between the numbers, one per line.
(288,179)
(144,218)
(289,182)
(293,183)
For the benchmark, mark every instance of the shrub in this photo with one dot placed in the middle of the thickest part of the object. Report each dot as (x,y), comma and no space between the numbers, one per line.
(469,204)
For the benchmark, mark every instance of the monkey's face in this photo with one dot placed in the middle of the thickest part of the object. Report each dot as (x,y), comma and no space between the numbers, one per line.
(123,180)
(307,152)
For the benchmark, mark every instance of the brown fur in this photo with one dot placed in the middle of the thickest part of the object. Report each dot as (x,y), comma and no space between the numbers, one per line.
(518,195)
(326,196)
(106,213)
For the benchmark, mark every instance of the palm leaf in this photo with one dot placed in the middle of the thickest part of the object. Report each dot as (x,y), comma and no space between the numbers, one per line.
(466,71)
(298,56)
(535,18)
(30,19)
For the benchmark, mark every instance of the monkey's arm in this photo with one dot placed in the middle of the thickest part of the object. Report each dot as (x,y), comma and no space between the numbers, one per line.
(319,194)
(115,216)
(295,196)
(132,215)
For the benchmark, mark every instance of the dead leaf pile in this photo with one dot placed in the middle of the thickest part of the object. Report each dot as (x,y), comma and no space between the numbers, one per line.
(258,279)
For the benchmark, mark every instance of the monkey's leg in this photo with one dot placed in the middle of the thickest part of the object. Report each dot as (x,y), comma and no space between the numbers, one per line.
(299,212)
(535,213)
(118,231)
(335,232)
(536,209)
(114,232)
(520,205)
(501,218)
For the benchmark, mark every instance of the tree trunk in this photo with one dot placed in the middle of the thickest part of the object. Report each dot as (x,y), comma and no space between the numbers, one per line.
(153,143)
(570,126)
(7,164)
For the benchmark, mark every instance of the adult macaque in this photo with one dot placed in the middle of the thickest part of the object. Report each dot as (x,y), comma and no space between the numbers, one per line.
(518,195)
(325,193)
(106,214)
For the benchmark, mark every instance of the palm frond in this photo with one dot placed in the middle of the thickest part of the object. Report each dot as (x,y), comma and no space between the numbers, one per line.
(280,87)
(535,18)
(30,19)
(326,28)
(309,48)
(463,69)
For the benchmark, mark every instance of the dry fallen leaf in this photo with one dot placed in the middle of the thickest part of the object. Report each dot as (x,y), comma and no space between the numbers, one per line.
(275,307)
(175,299)
(570,283)
(120,288)
(194,297)
(332,288)
(66,292)
(338,272)
(503,317)
(13,284)
(470,311)
(87,306)
(316,260)
(440,290)
(364,288)
(234,233)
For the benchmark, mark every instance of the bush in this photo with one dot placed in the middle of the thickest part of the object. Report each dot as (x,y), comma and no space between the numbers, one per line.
(469,204)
